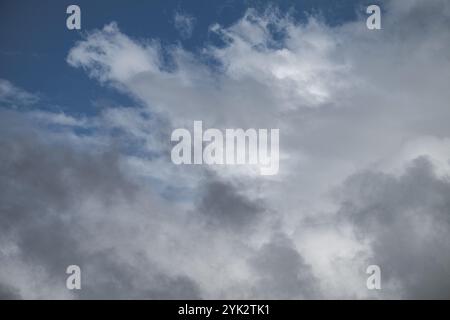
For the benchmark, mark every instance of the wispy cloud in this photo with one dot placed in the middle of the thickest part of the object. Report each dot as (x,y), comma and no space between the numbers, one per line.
(184,23)
(10,95)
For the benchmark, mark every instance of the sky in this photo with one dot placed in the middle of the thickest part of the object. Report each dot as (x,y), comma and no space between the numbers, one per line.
(86,176)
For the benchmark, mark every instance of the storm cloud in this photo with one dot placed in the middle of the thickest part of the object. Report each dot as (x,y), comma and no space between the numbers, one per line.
(406,219)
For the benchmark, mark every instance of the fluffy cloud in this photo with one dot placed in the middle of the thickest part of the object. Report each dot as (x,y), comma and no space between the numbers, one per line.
(355,108)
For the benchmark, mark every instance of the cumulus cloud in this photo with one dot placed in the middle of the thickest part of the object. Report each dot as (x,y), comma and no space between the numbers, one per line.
(356,111)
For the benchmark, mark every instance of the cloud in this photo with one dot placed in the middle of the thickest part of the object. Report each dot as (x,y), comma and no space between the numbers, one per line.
(66,204)
(184,24)
(57,201)
(406,220)
(7,293)
(113,56)
(224,206)
(354,108)
(282,271)
(10,95)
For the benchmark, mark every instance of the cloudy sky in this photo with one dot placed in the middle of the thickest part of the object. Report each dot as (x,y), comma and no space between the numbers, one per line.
(86,176)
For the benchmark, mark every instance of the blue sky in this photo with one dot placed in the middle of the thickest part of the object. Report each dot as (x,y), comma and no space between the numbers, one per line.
(34,39)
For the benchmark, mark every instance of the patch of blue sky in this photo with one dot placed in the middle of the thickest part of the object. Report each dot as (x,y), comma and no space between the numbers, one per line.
(35,42)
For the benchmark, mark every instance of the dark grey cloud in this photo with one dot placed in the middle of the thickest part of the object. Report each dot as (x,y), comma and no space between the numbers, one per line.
(417,18)
(111,279)
(40,185)
(282,272)
(43,185)
(406,219)
(8,293)
(224,204)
